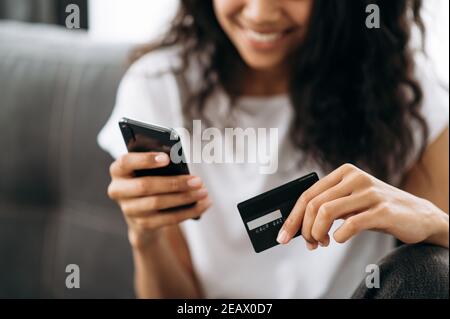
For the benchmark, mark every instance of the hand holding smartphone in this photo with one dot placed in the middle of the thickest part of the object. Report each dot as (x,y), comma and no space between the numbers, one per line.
(142,137)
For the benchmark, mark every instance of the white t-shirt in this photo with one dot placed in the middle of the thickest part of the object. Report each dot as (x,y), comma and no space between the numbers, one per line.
(223,257)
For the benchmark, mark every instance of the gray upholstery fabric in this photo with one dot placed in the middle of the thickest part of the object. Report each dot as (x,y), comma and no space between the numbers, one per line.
(411,272)
(57,89)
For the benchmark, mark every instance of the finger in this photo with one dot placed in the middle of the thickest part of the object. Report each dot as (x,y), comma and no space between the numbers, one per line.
(342,189)
(312,246)
(296,217)
(354,225)
(292,223)
(162,219)
(152,185)
(332,179)
(296,220)
(128,163)
(145,206)
(325,242)
(336,209)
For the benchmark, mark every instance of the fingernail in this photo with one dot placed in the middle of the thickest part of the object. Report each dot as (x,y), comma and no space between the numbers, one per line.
(309,246)
(282,237)
(193,182)
(201,192)
(161,158)
(321,244)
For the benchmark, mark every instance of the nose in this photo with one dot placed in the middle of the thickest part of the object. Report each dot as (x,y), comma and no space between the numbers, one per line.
(262,12)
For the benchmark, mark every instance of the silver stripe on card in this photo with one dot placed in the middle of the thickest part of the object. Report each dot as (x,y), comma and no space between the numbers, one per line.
(263,220)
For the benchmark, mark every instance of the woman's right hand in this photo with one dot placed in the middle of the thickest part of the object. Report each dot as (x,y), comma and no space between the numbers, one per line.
(141,199)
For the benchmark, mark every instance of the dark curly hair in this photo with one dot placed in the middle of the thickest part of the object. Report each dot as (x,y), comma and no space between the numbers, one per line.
(352,88)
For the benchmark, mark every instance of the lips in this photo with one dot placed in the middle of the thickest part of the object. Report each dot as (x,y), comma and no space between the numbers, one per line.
(268,37)
(264,39)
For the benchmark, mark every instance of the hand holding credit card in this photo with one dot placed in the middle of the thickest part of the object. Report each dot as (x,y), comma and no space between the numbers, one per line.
(264,214)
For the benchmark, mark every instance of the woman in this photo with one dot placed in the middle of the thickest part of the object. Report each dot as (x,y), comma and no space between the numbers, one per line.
(355,104)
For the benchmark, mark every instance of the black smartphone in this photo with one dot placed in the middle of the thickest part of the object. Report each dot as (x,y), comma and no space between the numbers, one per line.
(143,137)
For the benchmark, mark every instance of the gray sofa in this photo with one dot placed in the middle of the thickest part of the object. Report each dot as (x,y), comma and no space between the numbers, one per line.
(57,89)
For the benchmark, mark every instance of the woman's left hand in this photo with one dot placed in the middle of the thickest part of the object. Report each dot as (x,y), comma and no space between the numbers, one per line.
(365,203)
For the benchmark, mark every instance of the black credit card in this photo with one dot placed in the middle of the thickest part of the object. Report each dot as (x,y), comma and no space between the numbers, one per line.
(264,214)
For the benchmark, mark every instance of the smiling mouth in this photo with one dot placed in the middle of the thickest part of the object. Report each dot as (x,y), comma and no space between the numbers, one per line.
(266,39)
(263,37)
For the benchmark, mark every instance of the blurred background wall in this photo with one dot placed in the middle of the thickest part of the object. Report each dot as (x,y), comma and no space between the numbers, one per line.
(41,11)
(129,20)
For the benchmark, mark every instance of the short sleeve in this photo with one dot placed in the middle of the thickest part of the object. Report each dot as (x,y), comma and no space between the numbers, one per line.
(434,109)
(147,93)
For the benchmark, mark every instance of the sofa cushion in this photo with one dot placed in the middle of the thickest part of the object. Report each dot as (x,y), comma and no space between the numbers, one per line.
(58,88)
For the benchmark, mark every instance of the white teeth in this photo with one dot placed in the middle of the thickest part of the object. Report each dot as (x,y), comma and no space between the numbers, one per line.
(263,37)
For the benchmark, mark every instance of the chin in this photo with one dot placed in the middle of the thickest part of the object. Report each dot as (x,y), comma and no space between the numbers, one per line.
(262,63)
